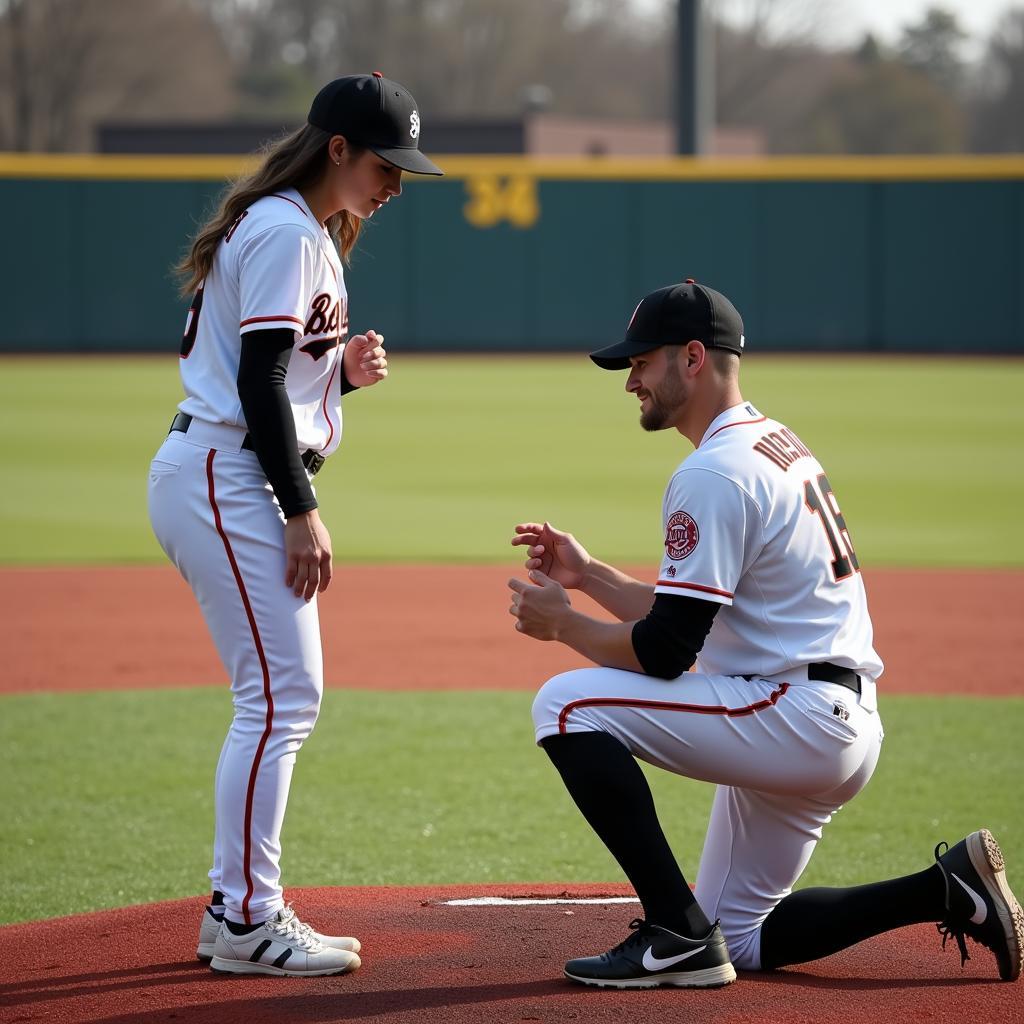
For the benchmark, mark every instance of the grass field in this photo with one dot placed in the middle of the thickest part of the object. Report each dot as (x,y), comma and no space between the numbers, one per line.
(926,456)
(108,796)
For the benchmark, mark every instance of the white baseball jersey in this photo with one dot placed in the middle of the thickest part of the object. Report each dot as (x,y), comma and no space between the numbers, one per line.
(219,522)
(277,267)
(751,523)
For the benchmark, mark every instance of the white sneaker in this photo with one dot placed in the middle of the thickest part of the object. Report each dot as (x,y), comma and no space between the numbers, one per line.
(208,929)
(210,926)
(282,945)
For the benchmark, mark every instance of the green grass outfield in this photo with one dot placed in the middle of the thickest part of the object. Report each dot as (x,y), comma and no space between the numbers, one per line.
(926,456)
(108,796)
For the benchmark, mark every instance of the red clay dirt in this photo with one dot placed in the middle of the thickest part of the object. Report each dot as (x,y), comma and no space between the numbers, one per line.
(394,627)
(424,961)
(431,627)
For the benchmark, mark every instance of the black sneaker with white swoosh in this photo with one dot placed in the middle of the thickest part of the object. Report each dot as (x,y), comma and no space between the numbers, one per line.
(979,902)
(651,956)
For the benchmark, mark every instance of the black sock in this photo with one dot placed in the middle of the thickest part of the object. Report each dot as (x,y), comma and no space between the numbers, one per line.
(217,899)
(241,929)
(612,792)
(813,923)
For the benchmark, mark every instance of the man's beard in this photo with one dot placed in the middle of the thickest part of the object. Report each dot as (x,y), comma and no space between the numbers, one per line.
(665,402)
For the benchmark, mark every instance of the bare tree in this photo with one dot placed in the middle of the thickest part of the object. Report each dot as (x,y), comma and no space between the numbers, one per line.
(771,69)
(463,57)
(998,125)
(775,22)
(932,46)
(72,62)
(774,73)
(879,105)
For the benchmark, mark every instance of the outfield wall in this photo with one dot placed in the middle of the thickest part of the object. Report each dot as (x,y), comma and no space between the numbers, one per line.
(833,254)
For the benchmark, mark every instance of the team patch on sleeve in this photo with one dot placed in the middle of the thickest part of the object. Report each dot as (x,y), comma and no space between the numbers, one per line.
(681,535)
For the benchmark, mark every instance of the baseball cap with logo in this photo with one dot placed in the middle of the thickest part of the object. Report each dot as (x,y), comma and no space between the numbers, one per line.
(373,111)
(675,315)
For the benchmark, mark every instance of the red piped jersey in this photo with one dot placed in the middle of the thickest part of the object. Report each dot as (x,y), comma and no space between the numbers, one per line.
(276,267)
(751,523)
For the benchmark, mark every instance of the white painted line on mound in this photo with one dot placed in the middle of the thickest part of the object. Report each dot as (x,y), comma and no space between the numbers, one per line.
(514,901)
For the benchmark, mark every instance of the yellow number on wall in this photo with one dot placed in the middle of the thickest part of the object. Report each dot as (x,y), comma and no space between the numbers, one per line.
(493,199)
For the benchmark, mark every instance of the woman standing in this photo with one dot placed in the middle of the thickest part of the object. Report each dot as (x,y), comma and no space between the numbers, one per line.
(264,363)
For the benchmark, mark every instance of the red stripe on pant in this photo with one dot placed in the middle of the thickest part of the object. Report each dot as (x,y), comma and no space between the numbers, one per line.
(664,705)
(254,771)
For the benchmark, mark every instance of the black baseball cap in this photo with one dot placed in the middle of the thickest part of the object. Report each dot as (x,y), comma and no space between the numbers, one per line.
(373,111)
(675,315)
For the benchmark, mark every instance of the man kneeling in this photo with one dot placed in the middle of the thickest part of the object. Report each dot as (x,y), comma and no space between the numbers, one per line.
(759,585)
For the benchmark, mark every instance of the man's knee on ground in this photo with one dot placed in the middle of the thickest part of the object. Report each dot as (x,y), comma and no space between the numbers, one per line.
(745,949)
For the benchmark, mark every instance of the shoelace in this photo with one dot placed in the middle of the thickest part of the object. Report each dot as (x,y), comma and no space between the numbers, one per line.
(290,927)
(947,928)
(300,926)
(639,927)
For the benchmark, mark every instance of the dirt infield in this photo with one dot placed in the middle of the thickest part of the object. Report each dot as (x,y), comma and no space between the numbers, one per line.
(430,627)
(399,627)
(424,961)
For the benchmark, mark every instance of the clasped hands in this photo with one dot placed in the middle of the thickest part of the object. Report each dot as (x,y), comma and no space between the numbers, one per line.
(555,562)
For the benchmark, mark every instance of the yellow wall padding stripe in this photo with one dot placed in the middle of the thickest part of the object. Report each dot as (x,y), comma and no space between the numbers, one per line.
(803,168)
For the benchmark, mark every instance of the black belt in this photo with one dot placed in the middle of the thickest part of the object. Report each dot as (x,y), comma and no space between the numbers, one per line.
(313,461)
(826,672)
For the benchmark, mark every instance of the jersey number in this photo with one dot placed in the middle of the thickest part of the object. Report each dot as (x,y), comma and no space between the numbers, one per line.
(192,324)
(822,502)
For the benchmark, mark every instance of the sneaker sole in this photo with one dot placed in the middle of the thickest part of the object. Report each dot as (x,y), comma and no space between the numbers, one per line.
(711,977)
(223,966)
(987,858)
(205,950)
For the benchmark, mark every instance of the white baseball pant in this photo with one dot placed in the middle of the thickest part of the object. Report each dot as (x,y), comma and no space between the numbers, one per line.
(785,753)
(217,519)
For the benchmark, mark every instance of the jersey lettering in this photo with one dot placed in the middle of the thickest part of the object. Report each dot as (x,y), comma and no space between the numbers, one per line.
(782,447)
(320,321)
(822,502)
(325,323)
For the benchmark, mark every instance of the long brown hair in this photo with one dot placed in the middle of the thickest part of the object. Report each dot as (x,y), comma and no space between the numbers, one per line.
(293,161)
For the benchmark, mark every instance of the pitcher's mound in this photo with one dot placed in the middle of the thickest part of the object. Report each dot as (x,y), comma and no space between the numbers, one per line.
(490,955)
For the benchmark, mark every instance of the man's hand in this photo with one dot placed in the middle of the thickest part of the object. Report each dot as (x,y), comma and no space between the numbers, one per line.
(541,607)
(553,553)
(307,548)
(365,362)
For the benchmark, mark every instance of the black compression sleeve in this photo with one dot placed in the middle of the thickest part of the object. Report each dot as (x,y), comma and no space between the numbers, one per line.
(262,369)
(347,387)
(667,641)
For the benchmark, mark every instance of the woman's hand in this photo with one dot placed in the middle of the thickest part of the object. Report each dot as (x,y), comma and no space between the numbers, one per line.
(365,362)
(307,548)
